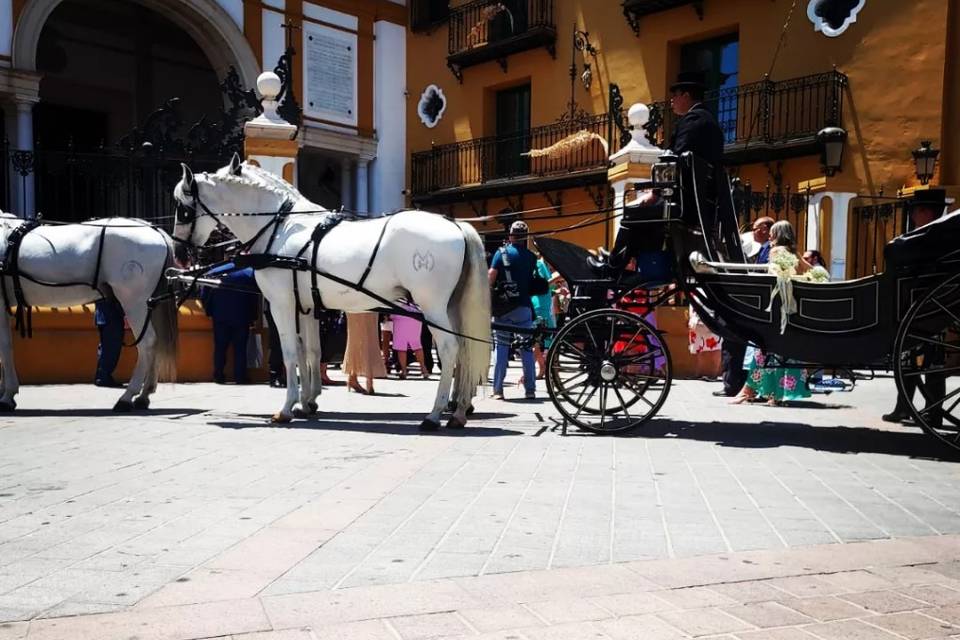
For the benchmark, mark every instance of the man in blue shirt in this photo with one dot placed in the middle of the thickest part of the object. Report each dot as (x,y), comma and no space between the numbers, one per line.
(108,316)
(233,308)
(511,270)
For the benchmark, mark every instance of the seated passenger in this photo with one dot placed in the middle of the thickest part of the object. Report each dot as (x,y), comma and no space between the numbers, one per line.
(776,384)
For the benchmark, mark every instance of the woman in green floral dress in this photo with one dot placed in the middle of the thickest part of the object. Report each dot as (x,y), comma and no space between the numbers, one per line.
(777,384)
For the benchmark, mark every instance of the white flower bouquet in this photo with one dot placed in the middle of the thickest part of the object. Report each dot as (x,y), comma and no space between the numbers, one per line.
(817,275)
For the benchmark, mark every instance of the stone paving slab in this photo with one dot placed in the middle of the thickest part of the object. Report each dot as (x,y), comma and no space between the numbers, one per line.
(200,503)
(554,604)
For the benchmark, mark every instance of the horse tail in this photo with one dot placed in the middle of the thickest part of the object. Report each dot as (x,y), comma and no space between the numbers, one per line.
(165,320)
(471,302)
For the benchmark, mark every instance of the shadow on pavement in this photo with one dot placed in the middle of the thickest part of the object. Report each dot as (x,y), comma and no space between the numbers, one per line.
(763,435)
(99,413)
(387,423)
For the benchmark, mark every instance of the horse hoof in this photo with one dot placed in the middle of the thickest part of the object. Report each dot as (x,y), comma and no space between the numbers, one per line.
(470,410)
(304,414)
(280,418)
(429,425)
(453,423)
(141,404)
(7,407)
(313,407)
(123,406)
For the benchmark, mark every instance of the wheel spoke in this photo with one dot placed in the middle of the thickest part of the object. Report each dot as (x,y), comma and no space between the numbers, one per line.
(626,409)
(939,343)
(572,347)
(581,406)
(626,349)
(930,407)
(921,372)
(945,310)
(566,383)
(586,325)
(603,403)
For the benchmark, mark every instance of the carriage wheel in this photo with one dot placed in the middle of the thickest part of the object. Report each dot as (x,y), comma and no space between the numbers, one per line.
(927,361)
(608,371)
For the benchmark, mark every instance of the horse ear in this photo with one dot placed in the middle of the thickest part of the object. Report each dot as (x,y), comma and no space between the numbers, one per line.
(235,164)
(187,175)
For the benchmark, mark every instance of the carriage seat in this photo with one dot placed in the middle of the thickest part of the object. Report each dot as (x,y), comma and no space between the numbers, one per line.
(927,245)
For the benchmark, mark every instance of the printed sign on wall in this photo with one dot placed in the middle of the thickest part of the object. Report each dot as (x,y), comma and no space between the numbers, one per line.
(330,74)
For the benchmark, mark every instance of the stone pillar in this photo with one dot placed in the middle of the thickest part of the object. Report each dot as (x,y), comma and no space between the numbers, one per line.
(813,221)
(362,203)
(838,232)
(270,140)
(23,201)
(346,183)
(632,163)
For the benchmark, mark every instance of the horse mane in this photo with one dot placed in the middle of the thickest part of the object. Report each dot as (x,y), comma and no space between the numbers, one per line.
(254,176)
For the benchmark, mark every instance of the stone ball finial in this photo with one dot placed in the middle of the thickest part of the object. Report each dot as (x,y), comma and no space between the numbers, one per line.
(269,85)
(638,115)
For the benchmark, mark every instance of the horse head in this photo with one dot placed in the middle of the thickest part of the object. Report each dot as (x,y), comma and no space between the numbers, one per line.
(239,196)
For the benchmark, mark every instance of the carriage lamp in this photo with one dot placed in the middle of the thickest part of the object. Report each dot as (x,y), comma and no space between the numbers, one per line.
(925,159)
(831,141)
(664,171)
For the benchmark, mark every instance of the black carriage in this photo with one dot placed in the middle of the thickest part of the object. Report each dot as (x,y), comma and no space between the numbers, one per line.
(609,368)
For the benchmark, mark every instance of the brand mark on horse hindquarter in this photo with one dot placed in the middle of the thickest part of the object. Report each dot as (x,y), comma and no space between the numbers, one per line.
(132,269)
(423,261)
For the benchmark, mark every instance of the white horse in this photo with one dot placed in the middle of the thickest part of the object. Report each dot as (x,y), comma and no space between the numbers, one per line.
(73,264)
(437,262)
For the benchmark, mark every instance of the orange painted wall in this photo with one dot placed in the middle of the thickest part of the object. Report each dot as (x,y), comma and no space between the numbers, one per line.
(895,56)
(63,348)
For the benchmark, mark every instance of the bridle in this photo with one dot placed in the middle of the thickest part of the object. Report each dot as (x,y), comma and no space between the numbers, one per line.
(188,214)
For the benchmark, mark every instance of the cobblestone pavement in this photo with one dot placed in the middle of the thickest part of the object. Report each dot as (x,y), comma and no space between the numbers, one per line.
(198,520)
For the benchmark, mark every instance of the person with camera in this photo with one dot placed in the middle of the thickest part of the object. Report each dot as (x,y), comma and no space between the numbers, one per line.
(512,280)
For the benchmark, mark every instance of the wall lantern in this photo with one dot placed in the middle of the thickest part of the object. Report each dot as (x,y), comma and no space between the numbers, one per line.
(832,141)
(926,160)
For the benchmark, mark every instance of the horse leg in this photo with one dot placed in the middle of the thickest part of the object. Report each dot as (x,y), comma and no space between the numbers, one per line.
(448,346)
(309,367)
(283,316)
(142,401)
(137,317)
(10,382)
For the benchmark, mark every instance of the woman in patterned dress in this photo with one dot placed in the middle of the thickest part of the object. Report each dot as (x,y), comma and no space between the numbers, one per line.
(776,384)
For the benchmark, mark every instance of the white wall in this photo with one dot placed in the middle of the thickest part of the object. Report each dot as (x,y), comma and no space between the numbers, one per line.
(6,27)
(235,9)
(388,171)
(274,36)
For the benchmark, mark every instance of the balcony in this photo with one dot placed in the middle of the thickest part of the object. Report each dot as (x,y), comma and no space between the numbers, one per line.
(767,120)
(495,166)
(487,30)
(633,10)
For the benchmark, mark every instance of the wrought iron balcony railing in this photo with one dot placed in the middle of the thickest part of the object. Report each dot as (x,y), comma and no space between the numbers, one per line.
(766,119)
(633,10)
(487,30)
(485,161)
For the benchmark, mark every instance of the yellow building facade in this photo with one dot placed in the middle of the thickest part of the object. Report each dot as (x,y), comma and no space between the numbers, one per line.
(884,71)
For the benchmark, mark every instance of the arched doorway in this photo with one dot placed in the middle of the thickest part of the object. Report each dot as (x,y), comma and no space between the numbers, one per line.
(85,103)
(107,66)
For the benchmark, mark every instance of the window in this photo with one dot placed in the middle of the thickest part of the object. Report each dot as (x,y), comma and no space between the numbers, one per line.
(512,131)
(426,13)
(719,60)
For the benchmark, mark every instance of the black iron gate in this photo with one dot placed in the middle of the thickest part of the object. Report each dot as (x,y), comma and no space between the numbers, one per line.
(134,178)
(876,221)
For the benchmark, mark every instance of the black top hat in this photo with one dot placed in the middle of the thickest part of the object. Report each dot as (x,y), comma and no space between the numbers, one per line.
(689,81)
(933,198)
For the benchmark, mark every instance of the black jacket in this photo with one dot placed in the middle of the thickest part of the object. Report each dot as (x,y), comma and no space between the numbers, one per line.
(698,131)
